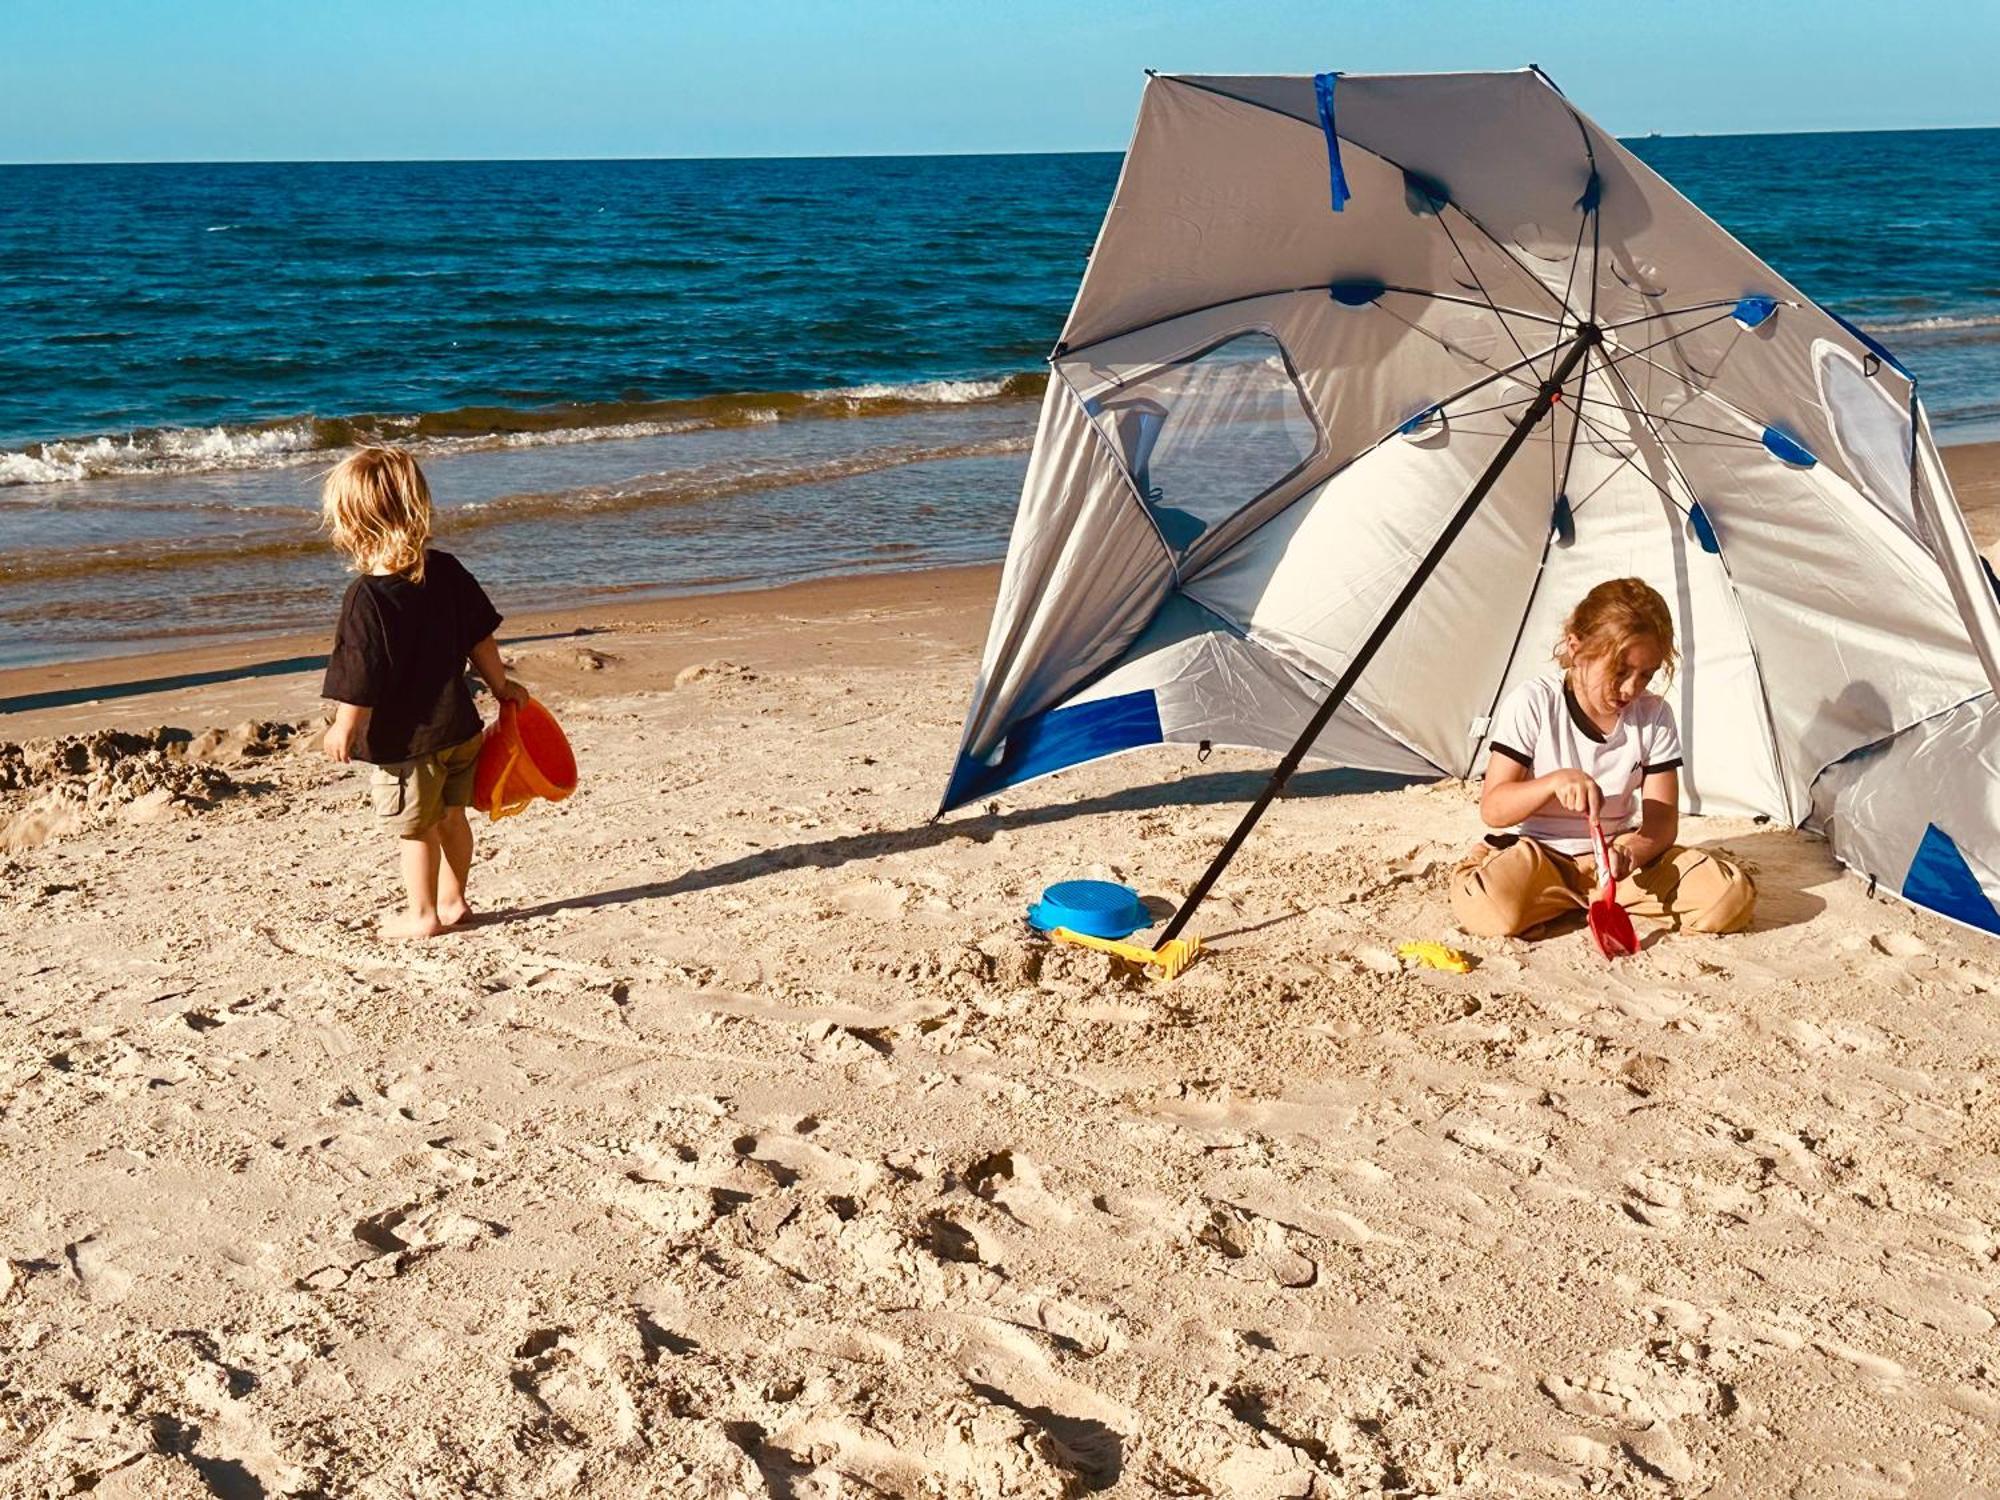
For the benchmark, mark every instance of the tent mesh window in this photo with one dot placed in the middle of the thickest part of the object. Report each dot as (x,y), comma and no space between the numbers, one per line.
(1204,437)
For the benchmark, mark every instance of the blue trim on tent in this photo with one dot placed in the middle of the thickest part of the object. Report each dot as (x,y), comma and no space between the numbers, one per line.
(1562,525)
(1783,445)
(1940,879)
(1704,529)
(1869,343)
(1358,292)
(1323,93)
(1593,190)
(1060,737)
(1752,311)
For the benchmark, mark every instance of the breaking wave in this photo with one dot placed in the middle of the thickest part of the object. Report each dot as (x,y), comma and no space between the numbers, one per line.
(307,439)
(1941,322)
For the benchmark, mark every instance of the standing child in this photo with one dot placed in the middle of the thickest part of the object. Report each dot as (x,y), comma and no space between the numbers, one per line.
(397,677)
(1591,741)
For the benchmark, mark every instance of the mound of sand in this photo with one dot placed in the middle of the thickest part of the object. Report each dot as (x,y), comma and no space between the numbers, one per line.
(55,788)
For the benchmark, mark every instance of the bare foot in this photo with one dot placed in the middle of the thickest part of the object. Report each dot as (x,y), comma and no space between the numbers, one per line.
(450,913)
(406,924)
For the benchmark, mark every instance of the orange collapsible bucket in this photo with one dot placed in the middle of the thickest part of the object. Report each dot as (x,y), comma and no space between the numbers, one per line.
(525,756)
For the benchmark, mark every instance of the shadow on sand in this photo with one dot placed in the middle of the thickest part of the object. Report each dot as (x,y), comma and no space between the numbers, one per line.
(1191,791)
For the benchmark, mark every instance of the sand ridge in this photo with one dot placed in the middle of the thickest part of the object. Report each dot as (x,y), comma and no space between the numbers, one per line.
(752,1147)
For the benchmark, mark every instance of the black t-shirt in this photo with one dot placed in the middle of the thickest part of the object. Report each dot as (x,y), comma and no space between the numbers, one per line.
(400,649)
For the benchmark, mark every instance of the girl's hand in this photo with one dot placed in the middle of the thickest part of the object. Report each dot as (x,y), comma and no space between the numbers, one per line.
(512,692)
(1622,862)
(1576,791)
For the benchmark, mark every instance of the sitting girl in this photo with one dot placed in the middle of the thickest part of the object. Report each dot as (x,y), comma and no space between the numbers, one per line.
(1592,742)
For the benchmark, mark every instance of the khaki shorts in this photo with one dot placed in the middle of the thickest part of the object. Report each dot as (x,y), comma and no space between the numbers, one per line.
(411,795)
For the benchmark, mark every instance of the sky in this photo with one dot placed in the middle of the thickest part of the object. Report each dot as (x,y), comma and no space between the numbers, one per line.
(199,80)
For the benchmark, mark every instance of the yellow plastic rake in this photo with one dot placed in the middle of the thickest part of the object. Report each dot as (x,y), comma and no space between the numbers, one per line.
(1169,958)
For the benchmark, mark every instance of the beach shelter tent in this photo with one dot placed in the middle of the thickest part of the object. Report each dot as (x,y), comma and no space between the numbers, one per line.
(1370,378)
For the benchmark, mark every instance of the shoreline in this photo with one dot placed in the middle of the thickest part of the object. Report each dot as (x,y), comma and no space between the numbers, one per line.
(118,691)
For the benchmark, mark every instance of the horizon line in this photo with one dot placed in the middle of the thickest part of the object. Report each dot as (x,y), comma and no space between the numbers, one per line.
(373,161)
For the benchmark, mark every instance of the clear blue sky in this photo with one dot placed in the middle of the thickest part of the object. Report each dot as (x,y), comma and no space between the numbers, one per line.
(142,80)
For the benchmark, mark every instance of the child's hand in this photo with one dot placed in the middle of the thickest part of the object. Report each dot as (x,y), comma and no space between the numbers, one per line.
(339,741)
(1576,790)
(512,692)
(1622,862)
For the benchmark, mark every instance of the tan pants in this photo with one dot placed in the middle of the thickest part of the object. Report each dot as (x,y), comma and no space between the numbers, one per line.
(1509,891)
(410,795)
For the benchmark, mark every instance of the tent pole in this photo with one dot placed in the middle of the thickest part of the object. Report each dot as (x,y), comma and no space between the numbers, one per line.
(1587,336)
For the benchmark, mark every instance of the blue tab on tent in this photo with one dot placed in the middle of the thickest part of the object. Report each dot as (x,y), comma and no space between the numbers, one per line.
(1704,530)
(1357,293)
(1065,736)
(1424,195)
(1323,92)
(1783,445)
(1752,311)
(1593,193)
(1940,879)
(1563,523)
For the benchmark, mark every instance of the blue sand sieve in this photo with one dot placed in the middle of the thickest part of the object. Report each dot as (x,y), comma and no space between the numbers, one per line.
(1096,908)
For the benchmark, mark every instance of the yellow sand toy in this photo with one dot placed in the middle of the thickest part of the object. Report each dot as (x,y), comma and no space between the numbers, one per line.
(1169,958)
(1436,956)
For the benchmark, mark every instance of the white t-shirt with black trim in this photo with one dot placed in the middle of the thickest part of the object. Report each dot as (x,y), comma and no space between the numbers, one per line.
(1540,725)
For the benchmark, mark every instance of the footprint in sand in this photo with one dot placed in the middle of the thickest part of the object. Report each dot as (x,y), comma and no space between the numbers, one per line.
(575,1389)
(1884,1372)
(91,1263)
(1254,1248)
(388,1242)
(1012,1182)
(1643,1393)
(1653,1202)
(1899,944)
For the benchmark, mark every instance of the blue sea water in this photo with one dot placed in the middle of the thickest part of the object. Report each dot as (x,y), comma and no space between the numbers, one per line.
(668,375)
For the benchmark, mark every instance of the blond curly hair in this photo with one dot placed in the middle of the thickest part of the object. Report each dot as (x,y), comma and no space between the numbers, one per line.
(1608,619)
(376,506)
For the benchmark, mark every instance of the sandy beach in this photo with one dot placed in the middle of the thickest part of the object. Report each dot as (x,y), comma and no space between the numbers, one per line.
(750,1146)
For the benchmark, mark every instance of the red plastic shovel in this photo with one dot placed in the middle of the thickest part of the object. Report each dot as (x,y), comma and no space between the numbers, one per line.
(1610,925)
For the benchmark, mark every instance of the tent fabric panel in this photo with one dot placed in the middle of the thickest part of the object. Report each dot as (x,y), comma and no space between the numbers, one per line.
(1311,583)
(1446,127)
(1214,687)
(1213,205)
(1187,680)
(1855,631)
(1085,571)
(1891,809)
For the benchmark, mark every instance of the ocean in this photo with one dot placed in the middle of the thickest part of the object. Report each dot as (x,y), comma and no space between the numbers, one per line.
(630,377)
